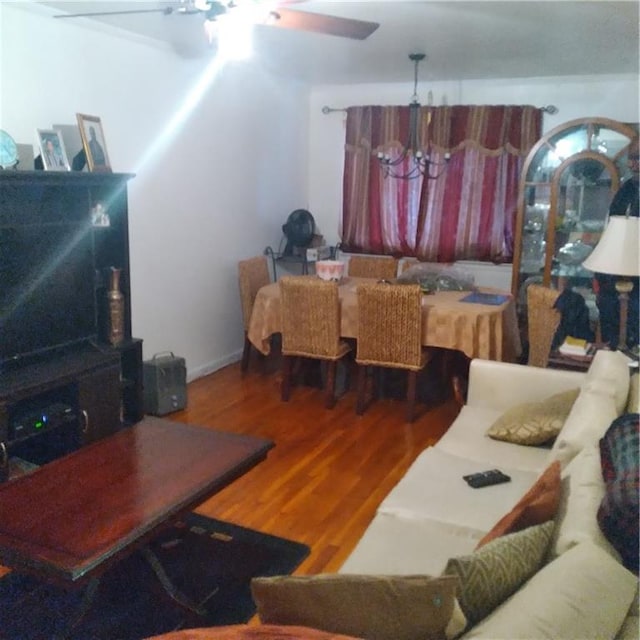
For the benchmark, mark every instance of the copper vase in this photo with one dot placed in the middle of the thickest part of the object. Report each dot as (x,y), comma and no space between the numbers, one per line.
(115,299)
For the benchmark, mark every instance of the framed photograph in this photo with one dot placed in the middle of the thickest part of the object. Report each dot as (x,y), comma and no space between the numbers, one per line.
(52,151)
(93,142)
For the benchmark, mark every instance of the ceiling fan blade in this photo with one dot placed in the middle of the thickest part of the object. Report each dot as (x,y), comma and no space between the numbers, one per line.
(165,10)
(321,23)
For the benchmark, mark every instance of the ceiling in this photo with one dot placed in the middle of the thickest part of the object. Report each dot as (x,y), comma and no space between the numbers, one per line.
(462,39)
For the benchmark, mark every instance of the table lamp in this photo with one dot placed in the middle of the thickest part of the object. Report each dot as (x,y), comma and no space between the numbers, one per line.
(617,254)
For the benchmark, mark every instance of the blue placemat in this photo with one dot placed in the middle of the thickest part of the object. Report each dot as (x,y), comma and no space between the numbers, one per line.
(486,298)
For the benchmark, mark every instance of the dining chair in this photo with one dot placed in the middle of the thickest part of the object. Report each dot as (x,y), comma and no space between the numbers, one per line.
(542,321)
(253,274)
(390,336)
(381,267)
(310,328)
(407,263)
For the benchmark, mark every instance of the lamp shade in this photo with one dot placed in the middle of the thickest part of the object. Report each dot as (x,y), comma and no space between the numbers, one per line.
(617,251)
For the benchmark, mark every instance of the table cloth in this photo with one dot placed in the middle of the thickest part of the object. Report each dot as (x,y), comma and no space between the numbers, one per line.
(478,330)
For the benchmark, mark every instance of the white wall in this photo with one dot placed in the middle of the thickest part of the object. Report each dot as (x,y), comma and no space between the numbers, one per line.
(215,191)
(251,151)
(613,97)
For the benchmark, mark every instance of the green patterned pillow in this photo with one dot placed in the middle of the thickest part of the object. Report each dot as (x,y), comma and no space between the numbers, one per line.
(534,423)
(495,571)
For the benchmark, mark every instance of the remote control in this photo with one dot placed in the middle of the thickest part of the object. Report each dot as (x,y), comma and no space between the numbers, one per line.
(486,478)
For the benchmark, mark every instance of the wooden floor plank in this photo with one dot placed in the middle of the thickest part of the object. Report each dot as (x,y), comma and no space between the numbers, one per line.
(330,468)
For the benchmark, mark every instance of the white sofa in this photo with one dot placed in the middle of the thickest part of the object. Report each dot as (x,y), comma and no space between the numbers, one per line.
(432,514)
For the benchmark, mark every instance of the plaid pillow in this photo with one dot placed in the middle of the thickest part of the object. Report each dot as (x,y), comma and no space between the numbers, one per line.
(619,512)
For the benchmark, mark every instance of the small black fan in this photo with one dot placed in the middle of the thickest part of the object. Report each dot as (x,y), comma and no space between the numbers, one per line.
(298,229)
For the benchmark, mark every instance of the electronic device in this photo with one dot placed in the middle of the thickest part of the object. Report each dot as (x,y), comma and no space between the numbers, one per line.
(165,384)
(38,420)
(48,295)
(486,478)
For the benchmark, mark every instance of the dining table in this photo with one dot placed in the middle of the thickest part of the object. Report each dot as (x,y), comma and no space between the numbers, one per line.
(479,329)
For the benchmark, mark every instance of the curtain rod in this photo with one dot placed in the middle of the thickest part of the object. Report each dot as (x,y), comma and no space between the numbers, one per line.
(550,108)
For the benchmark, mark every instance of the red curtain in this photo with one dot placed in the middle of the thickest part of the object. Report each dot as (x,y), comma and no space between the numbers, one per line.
(468,212)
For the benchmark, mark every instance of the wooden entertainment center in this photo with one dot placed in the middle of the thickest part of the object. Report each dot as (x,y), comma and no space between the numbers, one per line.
(62,383)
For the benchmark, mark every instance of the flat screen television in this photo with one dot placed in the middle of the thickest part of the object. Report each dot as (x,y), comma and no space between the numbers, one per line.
(47,292)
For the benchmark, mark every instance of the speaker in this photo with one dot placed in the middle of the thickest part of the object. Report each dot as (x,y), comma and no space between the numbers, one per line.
(165,384)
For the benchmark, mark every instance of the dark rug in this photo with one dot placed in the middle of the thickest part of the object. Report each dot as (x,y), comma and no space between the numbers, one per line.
(210,561)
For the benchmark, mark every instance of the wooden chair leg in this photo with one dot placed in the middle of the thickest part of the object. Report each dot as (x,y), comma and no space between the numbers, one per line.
(411,395)
(246,353)
(362,383)
(330,394)
(285,389)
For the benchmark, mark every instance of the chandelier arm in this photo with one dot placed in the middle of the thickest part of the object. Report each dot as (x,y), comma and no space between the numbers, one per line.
(423,165)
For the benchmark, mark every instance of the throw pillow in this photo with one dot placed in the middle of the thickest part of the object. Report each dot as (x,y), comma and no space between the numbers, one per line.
(246,632)
(619,512)
(492,573)
(537,506)
(534,423)
(373,607)
(583,595)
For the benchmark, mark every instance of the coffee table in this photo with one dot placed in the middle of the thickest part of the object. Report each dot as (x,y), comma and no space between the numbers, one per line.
(72,519)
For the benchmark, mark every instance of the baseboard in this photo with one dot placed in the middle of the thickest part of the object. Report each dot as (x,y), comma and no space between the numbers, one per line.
(211,367)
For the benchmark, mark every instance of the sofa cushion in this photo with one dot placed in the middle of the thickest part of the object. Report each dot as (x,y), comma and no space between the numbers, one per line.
(609,373)
(394,545)
(590,417)
(633,402)
(467,438)
(584,594)
(374,607)
(582,492)
(534,423)
(538,505)
(433,489)
(619,512)
(492,573)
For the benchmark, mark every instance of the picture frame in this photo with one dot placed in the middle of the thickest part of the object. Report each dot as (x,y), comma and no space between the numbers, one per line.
(93,142)
(52,151)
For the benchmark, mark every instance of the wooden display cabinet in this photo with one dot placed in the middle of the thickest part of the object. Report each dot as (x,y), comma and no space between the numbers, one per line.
(568,181)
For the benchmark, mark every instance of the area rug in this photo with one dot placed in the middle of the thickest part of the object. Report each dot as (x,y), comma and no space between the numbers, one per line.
(210,561)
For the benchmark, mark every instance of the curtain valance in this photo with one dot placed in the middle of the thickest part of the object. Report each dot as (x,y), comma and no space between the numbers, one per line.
(489,129)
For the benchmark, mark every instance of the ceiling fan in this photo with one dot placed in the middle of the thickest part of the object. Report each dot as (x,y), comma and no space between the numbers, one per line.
(273,14)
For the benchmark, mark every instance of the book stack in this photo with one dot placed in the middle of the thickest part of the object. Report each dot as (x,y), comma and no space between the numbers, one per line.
(575,347)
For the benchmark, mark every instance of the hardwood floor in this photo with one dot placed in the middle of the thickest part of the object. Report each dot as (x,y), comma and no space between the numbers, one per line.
(329,470)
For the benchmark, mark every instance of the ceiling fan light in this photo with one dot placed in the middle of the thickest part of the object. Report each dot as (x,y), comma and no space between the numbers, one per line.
(235,37)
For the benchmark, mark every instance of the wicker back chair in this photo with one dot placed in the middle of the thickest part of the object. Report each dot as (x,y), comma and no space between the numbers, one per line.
(383,267)
(253,274)
(542,321)
(390,335)
(310,328)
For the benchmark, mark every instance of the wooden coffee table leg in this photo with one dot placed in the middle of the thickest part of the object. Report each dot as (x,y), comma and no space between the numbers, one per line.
(174,593)
(87,600)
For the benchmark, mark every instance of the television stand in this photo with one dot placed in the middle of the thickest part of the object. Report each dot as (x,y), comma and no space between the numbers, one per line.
(57,405)
(49,225)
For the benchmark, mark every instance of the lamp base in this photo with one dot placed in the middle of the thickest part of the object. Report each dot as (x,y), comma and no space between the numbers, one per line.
(624,288)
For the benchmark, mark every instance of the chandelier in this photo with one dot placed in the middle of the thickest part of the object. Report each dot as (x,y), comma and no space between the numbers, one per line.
(413,162)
